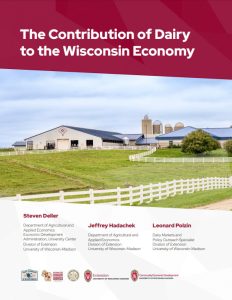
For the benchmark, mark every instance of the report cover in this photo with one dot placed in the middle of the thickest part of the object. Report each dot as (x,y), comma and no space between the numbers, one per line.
(115,149)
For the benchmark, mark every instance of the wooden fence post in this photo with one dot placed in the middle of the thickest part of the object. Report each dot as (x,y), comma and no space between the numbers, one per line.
(91,196)
(182,186)
(167,189)
(118,196)
(141,194)
(160,191)
(19,197)
(193,185)
(198,184)
(130,195)
(61,196)
(203,184)
(151,192)
(187,186)
(207,183)
(230,181)
(174,187)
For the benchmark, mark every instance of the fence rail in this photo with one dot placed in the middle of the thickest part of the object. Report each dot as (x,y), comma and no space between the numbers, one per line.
(139,194)
(144,157)
(184,159)
(24,152)
(141,156)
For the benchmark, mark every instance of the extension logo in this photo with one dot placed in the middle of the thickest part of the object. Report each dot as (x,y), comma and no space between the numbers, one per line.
(88,275)
(29,275)
(134,275)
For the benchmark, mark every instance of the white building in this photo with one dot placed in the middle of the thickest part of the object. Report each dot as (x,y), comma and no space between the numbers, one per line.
(68,137)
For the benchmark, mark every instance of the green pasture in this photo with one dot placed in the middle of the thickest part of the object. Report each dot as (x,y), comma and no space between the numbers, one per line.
(80,170)
(192,200)
(176,152)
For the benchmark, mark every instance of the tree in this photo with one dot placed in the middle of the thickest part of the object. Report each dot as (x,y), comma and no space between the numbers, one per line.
(199,142)
(228,147)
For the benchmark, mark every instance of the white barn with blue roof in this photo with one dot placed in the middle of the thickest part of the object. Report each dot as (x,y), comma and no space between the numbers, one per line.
(175,137)
(70,137)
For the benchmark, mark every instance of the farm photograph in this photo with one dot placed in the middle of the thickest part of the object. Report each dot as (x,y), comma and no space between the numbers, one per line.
(115,139)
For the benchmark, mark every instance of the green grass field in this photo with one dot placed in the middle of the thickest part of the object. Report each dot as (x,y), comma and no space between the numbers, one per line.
(6,149)
(192,200)
(42,173)
(176,152)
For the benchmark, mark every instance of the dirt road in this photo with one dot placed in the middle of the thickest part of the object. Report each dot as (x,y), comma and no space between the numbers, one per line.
(222,205)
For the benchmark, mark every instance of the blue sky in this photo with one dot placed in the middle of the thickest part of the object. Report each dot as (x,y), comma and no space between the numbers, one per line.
(34,101)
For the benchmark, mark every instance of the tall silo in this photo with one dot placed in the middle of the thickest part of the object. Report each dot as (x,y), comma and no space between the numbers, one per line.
(157,127)
(178,125)
(168,128)
(147,128)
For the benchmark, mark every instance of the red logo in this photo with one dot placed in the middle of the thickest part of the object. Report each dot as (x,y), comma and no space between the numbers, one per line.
(88,275)
(134,275)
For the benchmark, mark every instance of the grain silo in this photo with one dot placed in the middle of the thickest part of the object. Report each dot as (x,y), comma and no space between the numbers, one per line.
(147,128)
(179,125)
(157,127)
(168,128)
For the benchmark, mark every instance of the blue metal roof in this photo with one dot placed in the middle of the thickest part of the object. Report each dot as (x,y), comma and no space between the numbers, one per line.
(131,137)
(19,144)
(146,141)
(217,133)
(105,135)
(220,133)
(177,134)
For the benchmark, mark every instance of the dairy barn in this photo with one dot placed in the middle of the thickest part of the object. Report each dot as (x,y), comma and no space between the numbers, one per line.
(152,134)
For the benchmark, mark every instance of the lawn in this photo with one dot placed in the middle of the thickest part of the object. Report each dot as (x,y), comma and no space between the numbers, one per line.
(193,200)
(176,152)
(6,149)
(40,173)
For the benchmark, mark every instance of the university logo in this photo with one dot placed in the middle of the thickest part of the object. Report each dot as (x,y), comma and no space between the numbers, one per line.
(134,275)
(73,275)
(47,275)
(57,276)
(88,275)
(29,275)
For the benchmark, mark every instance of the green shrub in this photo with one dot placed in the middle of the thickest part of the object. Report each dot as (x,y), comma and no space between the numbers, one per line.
(199,142)
(228,147)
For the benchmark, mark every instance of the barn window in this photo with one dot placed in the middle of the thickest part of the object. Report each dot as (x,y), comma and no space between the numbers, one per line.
(89,143)
(50,145)
(74,143)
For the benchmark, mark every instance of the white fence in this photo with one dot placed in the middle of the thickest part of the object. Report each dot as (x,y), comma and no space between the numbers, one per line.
(24,152)
(184,159)
(141,156)
(139,194)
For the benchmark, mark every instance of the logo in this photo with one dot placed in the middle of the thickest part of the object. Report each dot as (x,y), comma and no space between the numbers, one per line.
(88,275)
(73,275)
(57,276)
(134,275)
(29,275)
(47,275)
(62,131)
